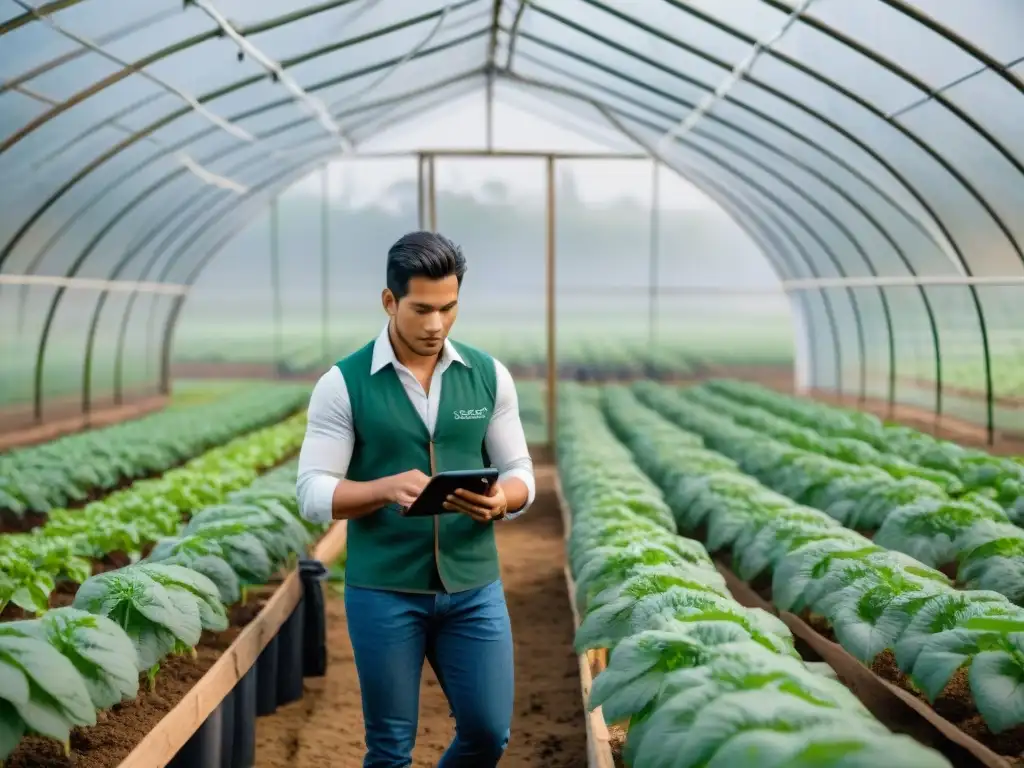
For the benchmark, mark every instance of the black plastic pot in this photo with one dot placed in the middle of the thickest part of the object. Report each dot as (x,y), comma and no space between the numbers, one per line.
(314,630)
(266,679)
(204,746)
(289,656)
(227,739)
(243,745)
(227,729)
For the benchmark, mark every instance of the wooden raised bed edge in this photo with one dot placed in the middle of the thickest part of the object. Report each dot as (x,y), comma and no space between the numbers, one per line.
(895,708)
(179,737)
(599,751)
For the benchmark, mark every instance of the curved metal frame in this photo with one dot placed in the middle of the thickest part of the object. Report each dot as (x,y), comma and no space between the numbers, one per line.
(904,183)
(927,148)
(492,29)
(187,248)
(83,256)
(160,249)
(167,119)
(203,202)
(819,241)
(829,83)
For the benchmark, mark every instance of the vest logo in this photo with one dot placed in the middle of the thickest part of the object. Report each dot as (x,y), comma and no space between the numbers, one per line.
(471,414)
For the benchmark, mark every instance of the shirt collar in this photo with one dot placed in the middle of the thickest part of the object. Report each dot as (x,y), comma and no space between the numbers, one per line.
(384,354)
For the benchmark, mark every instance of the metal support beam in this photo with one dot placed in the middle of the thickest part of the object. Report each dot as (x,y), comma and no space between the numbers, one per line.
(421,194)
(552,367)
(325,265)
(655,245)
(432,193)
(275,283)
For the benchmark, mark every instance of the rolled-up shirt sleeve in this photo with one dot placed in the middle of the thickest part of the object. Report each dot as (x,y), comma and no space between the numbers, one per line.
(327,447)
(506,440)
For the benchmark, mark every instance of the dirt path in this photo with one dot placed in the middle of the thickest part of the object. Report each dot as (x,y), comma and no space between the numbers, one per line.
(324,729)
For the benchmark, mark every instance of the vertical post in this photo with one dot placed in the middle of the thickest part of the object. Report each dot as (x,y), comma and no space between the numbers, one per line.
(655,244)
(275,286)
(489,114)
(325,266)
(552,368)
(421,193)
(432,193)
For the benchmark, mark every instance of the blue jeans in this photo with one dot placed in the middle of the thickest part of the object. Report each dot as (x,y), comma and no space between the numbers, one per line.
(466,637)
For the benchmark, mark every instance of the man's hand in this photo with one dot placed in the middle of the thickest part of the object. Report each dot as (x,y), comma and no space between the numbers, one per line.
(405,488)
(482,508)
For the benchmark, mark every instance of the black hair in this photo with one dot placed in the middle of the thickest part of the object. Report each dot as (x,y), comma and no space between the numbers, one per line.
(422,254)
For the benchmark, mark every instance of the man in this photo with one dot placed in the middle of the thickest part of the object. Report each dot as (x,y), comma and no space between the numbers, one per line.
(381,421)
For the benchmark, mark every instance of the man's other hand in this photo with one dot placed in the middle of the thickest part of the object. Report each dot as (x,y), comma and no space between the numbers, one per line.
(405,488)
(482,508)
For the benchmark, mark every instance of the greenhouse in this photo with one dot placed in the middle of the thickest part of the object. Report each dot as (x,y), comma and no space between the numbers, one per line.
(754,267)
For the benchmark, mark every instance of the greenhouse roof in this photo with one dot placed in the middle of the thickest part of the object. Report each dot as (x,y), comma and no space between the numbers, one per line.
(878,138)
(872,149)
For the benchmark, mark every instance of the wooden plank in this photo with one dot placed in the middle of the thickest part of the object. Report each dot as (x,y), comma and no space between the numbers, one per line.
(599,750)
(161,744)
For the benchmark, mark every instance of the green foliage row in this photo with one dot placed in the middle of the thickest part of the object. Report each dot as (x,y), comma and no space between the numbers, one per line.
(957,509)
(73,468)
(874,600)
(701,680)
(129,520)
(58,670)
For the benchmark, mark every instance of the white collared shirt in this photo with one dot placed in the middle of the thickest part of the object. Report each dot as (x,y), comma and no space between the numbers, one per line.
(327,447)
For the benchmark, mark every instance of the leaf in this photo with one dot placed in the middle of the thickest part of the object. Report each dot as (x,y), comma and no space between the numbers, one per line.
(12,729)
(202,590)
(102,653)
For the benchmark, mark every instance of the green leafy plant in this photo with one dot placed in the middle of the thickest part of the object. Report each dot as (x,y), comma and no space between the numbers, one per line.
(162,608)
(70,469)
(691,671)
(41,691)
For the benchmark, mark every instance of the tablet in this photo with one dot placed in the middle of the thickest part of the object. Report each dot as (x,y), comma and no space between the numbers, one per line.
(431,500)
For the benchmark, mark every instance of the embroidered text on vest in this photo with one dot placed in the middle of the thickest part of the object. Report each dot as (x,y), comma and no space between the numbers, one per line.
(479,413)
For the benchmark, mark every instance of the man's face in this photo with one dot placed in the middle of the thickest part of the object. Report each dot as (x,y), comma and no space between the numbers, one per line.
(425,315)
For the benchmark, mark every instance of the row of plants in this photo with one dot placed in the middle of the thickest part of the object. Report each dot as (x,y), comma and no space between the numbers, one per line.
(962,651)
(79,467)
(998,477)
(57,671)
(700,679)
(122,527)
(970,537)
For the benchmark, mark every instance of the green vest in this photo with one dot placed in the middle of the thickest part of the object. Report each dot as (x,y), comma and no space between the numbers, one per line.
(443,553)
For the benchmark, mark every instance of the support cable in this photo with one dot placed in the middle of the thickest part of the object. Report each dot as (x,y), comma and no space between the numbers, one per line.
(736,75)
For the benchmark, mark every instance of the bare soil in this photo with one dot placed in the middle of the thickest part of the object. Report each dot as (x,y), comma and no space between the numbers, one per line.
(17,431)
(119,729)
(956,705)
(548,729)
